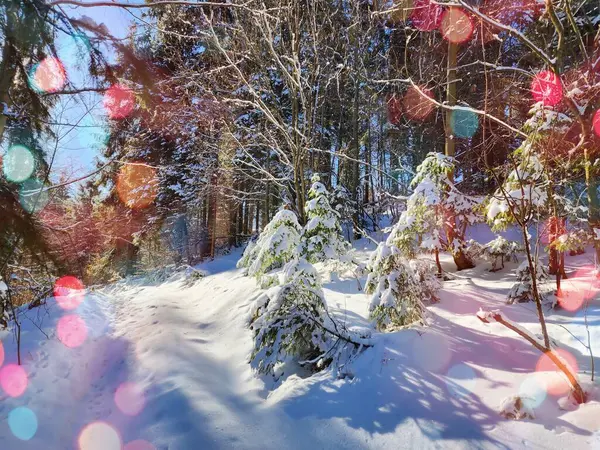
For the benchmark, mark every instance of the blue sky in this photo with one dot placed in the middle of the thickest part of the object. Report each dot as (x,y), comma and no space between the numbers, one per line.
(77,147)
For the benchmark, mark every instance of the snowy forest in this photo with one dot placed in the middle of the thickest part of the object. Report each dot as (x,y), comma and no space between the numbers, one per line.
(299,224)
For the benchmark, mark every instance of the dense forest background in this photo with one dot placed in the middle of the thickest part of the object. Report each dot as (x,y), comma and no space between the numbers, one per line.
(218,114)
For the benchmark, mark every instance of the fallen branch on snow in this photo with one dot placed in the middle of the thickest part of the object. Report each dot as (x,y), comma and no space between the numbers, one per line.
(497,316)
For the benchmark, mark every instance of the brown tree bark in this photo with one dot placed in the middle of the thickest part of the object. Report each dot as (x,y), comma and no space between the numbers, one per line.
(461,259)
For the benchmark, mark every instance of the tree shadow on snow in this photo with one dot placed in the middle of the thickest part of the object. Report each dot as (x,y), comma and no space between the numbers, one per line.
(412,386)
(399,399)
(68,388)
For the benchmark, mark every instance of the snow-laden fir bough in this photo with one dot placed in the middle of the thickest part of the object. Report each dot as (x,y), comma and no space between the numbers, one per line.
(322,239)
(275,246)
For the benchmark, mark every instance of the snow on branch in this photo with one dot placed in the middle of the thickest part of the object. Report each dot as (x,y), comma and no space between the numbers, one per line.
(497,316)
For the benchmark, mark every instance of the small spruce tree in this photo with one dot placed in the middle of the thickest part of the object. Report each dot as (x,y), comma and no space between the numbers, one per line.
(397,289)
(288,320)
(424,225)
(500,250)
(276,245)
(249,254)
(322,239)
(522,290)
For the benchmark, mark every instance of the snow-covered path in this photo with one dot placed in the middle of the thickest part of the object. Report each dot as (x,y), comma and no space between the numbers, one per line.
(185,349)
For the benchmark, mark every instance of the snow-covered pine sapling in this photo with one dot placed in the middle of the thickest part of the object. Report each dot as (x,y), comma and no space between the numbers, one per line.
(322,239)
(249,253)
(573,242)
(397,292)
(475,249)
(522,199)
(287,320)
(341,201)
(276,245)
(522,290)
(580,238)
(425,225)
(291,323)
(424,272)
(500,250)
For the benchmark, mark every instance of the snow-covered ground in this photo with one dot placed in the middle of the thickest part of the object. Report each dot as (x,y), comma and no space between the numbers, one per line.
(165,367)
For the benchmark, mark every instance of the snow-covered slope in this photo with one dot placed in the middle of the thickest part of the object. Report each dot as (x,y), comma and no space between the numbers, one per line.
(165,367)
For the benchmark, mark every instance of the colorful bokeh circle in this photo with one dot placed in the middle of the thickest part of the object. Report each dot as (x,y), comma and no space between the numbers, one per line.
(23,423)
(417,104)
(13,380)
(118,101)
(99,436)
(137,185)
(18,163)
(129,398)
(533,390)
(556,382)
(71,330)
(464,123)
(456,25)
(578,289)
(571,299)
(48,75)
(426,15)
(33,195)
(546,87)
(69,292)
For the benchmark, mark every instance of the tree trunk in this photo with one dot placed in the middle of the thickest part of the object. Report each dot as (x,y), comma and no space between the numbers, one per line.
(578,393)
(461,259)
(7,74)
(267,213)
(257,217)
(212,217)
(534,286)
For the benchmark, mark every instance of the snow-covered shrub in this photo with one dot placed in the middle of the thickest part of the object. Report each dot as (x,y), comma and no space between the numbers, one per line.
(269,280)
(424,272)
(276,245)
(501,250)
(397,293)
(249,253)
(515,408)
(341,201)
(288,320)
(522,290)
(424,226)
(322,237)
(475,249)
(573,242)
(191,275)
(525,189)
(186,274)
